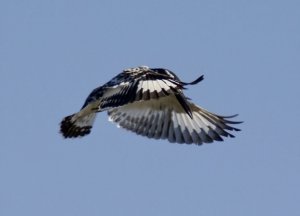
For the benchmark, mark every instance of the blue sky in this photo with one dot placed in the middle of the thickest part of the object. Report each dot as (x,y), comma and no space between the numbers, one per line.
(53,53)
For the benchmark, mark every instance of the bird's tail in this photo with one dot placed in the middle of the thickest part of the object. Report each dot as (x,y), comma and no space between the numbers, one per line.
(77,125)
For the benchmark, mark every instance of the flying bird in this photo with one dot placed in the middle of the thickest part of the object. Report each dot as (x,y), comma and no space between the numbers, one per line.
(150,102)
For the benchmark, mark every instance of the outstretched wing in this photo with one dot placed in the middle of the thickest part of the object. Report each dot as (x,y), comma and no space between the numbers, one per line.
(147,86)
(165,118)
(139,84)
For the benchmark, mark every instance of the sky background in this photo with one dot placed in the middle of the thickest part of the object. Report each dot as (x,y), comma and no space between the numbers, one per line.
(53,53)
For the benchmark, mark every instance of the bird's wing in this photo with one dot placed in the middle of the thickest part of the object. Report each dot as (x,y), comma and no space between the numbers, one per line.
(138,90)
(165,118)
(129,88)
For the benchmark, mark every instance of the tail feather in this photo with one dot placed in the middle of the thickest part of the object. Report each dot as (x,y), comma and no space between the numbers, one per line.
(77,126)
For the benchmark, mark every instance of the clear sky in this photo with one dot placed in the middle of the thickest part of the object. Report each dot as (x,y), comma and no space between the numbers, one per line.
(53,53)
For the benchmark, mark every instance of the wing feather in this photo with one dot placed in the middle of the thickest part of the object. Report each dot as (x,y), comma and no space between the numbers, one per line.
(165,118)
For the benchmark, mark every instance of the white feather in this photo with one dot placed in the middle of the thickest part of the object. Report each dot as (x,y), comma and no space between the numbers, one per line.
(164,118)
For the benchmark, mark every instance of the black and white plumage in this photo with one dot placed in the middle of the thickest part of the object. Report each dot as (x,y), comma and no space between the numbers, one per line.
(151,103)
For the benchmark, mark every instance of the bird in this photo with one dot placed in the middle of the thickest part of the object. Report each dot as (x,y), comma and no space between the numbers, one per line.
(150,102)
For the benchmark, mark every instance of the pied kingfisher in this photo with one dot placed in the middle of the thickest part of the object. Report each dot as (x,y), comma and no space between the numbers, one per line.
(151,103)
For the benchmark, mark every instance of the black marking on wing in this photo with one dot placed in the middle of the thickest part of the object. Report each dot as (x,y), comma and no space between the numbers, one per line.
(182,101)
(167,73)
(124,96)
(119,80)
